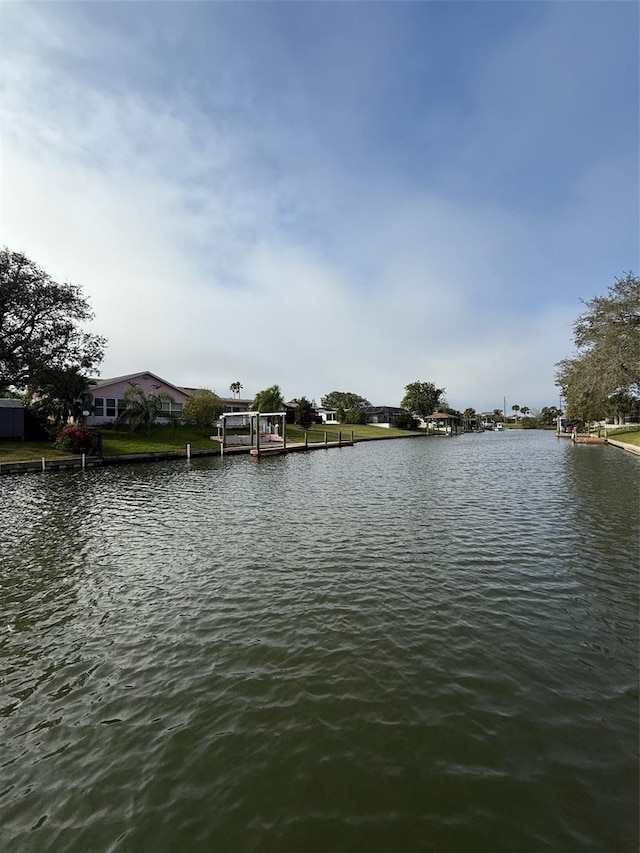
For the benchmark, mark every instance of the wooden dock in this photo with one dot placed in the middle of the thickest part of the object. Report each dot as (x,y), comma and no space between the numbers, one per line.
(588,439)
(273,449)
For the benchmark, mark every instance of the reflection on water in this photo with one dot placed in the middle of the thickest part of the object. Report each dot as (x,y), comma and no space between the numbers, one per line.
(426,644)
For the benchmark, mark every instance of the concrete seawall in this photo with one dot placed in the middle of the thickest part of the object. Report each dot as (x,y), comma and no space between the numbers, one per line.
(76,462)
(630,448)
(70,463)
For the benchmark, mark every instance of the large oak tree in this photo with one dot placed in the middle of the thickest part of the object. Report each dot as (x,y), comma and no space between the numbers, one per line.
(421,398)
(607,360)
(40,324)
(345,400)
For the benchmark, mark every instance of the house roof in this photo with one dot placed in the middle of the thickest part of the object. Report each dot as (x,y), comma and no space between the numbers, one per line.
(11,403)
(99,383)
(235,401)
(441,416)
(376,410)
(127,377)
(124,378)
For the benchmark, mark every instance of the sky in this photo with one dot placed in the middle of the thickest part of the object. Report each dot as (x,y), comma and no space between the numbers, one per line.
(327,196)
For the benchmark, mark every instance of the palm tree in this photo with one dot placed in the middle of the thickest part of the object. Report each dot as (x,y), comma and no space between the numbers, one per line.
(469,418)
(269,400)
(235,388)
(142,410)
(525,410)
(516,409)
(62,394)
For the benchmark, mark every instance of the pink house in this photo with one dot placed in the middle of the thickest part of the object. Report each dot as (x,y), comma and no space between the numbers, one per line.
(108,393)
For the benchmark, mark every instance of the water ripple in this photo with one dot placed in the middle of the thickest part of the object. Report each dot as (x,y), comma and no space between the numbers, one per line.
(414,645)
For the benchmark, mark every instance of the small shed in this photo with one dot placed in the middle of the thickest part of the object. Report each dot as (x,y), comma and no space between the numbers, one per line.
(11,419)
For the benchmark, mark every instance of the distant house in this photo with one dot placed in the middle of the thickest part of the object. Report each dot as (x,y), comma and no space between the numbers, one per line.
(236,404)
(108,394)
(322,415)
(327,416)
(291,408)
(11,419)
(383,416)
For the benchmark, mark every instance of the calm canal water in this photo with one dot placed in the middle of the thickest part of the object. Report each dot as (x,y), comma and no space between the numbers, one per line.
(424,644)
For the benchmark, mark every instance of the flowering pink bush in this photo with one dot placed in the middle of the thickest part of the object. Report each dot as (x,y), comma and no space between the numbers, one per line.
(75,439)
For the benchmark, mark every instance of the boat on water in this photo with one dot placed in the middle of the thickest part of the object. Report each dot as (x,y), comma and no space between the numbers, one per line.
(497,427)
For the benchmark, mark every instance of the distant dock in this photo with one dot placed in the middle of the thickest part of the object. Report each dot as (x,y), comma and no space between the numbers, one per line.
(272,449)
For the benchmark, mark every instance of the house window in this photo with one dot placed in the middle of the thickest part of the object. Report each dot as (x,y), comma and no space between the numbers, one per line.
(168,407)
(98,406)
(110,407)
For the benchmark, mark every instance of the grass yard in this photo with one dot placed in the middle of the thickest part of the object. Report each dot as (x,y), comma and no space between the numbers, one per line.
(115,443)
(360,433)
(29,451)
(628,436)
(160,438)
(163,438)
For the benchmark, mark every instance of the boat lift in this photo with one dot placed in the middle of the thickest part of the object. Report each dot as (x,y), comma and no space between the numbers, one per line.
(254,429)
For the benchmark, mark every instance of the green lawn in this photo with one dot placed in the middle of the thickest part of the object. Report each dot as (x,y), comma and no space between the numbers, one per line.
(627,435)
(115,443)
(360,433)
(163,438)
(29,451)
(160,438)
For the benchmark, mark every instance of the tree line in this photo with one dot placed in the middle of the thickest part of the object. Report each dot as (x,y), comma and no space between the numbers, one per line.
(602,379)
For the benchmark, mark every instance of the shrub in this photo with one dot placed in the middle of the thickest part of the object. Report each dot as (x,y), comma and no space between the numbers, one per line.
(354,416)
(405,420)
(76,439)
(203,408)
(35,426)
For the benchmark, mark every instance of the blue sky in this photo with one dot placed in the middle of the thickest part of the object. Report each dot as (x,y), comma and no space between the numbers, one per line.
(327,196)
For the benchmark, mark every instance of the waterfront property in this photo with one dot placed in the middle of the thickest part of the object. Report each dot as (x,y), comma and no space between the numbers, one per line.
(108,397)
(108,400)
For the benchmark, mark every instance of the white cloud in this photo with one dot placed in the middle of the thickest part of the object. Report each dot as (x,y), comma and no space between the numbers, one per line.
(207,263)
